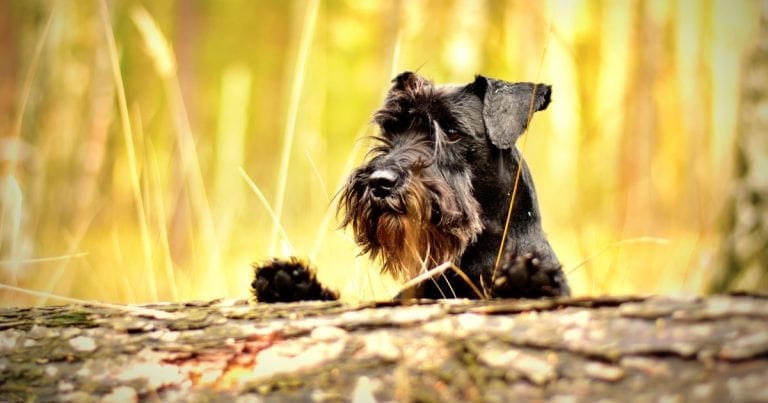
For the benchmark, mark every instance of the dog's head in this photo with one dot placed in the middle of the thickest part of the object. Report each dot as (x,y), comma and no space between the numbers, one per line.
(412,203)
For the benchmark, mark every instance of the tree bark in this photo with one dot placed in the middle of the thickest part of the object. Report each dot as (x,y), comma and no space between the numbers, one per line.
(744,255)
(624,349)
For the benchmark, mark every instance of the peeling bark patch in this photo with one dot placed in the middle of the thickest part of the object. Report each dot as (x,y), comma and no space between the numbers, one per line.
(536,369)
(603,372)
(746,346)
(83,343)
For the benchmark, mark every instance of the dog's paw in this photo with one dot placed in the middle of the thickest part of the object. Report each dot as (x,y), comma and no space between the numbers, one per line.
(527,276)
(288,281)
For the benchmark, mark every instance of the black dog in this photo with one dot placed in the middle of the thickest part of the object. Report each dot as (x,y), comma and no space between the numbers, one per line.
(437,188)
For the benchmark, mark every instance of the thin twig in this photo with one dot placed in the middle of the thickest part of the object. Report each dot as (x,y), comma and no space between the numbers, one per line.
(438,270)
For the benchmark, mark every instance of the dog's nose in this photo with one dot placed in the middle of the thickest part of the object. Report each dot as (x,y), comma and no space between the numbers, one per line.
(382,181)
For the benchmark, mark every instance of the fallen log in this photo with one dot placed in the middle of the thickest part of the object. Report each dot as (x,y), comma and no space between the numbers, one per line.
(616,348)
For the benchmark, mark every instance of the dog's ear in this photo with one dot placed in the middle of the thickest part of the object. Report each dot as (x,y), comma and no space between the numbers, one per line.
(508,107)
(408,81)
(403,80)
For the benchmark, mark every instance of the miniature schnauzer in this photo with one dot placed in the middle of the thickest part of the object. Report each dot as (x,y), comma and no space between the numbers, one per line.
(436,189)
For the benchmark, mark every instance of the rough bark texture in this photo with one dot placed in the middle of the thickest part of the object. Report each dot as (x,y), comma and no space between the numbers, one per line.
(745,245)
(622,349)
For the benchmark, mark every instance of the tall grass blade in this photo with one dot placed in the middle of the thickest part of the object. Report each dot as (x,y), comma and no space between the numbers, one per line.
(272,214)
(11,209)
(305,44)
(26,88)
(160,51)
(135,310)
(519,165)
(40,260)
(133,165)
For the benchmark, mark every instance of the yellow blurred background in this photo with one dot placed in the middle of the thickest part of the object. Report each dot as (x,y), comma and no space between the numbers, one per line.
(148,147)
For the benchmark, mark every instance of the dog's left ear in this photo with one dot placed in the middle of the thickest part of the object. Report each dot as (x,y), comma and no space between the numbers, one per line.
(508,107)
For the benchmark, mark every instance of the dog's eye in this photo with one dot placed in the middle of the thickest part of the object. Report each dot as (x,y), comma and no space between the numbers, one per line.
(452,134)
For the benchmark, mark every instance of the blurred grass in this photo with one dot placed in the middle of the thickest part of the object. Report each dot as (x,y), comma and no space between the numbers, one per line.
(131,153)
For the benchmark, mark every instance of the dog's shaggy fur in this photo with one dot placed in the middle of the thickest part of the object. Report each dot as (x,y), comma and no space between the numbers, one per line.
(437,187)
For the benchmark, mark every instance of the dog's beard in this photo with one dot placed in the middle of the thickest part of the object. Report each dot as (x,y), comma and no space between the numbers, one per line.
(415,229)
